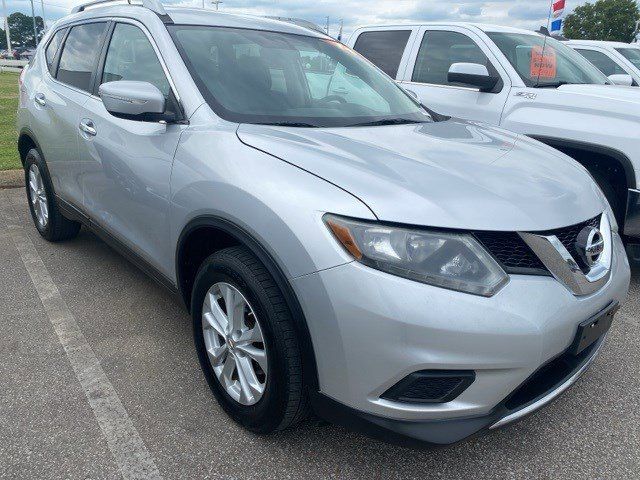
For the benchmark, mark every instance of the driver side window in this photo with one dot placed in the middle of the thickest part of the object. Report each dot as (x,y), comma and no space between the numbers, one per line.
(439,50)
(131,57)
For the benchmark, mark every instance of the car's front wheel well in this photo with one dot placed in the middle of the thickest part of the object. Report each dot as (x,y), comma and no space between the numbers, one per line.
(25,143)
(198,244)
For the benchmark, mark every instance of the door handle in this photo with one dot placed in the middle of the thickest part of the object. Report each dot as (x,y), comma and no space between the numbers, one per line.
(41,99)
(88,127)
(341,91)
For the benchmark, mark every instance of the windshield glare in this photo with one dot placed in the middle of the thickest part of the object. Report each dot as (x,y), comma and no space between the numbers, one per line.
(631,54)
(543,61)
(250,76)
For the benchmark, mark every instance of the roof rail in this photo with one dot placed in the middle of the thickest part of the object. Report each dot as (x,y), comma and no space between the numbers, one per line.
(153,5)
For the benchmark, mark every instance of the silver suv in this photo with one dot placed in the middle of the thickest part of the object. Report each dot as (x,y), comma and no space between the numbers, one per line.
(342,250)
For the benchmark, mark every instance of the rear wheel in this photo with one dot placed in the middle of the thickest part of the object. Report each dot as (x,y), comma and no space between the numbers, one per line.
(246,342)
(51,224)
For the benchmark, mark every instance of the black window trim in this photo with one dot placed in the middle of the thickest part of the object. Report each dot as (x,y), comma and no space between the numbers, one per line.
(69,27)
(492,68)
(99,69)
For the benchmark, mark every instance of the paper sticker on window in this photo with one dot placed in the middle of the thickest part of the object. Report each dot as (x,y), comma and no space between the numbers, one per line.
(544,63)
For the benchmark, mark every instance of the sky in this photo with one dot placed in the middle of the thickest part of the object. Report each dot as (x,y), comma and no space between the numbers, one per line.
(530,14)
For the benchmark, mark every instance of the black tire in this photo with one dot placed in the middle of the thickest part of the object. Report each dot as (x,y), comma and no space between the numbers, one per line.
(58,227)
(284,402)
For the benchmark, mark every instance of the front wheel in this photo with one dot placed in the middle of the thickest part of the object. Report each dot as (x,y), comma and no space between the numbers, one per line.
(246,342)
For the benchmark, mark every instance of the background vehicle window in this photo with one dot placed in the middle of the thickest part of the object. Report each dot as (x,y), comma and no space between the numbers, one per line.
(80,55)
(385,49)
(52,48)
(605,64)
(131,57)
(439,50)
(631,54)
(545,62)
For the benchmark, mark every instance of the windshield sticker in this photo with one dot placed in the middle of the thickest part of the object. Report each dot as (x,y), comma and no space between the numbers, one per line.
(544,63)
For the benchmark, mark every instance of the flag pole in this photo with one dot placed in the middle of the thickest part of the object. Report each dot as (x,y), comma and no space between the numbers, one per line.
(550,13)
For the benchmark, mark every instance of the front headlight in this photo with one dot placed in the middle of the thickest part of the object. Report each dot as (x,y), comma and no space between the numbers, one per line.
(449,260)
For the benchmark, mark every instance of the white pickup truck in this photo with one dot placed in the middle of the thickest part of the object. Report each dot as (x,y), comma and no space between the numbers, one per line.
(611,58)
(527,83)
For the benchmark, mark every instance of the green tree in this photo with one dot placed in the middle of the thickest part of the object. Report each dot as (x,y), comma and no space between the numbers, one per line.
(21,28)
(3,39)
(613,20)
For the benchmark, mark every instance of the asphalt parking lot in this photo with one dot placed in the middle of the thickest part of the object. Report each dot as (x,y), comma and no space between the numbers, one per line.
(99,379)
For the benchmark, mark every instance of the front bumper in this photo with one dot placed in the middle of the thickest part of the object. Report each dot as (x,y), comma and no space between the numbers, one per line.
(436,433)
(370,330)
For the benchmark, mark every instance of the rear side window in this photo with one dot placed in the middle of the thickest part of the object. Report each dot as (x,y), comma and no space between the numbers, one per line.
(52,48)
(439,50)
(605,64)
(80,55)
(384,48)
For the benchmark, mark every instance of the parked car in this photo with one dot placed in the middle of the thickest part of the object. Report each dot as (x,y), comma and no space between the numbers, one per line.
(484,73)
(614,59)
(340,249)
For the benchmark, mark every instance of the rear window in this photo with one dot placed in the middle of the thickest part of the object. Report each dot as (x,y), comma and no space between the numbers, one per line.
(80,54)
(384,48)
(52,48)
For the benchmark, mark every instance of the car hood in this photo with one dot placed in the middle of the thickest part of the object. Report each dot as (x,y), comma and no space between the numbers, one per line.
(450,174)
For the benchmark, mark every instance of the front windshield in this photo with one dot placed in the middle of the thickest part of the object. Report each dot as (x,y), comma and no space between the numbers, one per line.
(250,76)
(631,54)
(545,62)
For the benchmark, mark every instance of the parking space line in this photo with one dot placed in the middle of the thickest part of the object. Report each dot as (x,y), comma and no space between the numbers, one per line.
(126,445)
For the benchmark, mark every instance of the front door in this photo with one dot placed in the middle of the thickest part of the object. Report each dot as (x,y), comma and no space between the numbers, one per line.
(428,69)
(128,162)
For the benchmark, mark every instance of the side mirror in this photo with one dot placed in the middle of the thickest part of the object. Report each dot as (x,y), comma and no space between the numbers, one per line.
(625,80)
(133,100)
(473,75)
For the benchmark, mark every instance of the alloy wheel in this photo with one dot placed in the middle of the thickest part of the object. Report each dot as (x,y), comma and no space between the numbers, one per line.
(235,344)
(38,196)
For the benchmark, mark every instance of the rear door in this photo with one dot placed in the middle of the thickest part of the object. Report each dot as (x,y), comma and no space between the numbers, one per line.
(127,163)
(435,50)
(71,59)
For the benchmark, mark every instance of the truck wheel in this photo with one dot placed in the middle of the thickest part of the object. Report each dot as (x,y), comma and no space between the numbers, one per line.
(51,224)
(246,342)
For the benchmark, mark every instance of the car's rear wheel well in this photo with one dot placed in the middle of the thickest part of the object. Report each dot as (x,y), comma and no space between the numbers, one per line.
(195,247)
(25,143)
(611,169)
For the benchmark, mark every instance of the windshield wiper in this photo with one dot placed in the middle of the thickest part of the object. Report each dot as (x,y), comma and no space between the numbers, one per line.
(552,85)
(388,121)
(289,124)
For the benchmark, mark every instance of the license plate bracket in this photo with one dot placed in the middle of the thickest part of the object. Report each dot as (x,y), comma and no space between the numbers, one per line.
(591,330)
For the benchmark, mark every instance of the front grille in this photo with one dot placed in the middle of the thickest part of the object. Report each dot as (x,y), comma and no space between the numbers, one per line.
(569,235)
(431,386)
(516,256)
(512,252)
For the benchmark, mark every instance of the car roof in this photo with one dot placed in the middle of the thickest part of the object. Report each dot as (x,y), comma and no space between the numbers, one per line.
(485,27)
(196,16)
(599,43)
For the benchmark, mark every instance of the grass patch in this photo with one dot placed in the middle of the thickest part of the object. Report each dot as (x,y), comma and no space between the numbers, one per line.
(8,136)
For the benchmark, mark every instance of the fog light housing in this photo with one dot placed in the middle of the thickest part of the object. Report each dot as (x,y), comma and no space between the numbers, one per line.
(431,386)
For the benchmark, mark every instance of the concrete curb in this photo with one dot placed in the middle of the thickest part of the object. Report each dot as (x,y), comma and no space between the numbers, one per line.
(11,179)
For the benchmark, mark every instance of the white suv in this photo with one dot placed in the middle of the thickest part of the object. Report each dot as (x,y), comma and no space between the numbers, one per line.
(484,73)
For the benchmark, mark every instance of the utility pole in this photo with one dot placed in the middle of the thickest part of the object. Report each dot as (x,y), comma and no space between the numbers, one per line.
(35,31)
(44,21)
(326,28)
(340,31)
(216,3)
(6,28)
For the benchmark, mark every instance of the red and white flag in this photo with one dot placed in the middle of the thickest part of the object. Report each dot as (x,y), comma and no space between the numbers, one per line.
(558,8)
